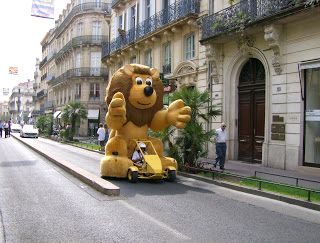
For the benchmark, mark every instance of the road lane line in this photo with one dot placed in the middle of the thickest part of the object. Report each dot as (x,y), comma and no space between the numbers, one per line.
(157,222)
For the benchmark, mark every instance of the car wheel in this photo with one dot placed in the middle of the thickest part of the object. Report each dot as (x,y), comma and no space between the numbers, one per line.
(133,176)
(172,175)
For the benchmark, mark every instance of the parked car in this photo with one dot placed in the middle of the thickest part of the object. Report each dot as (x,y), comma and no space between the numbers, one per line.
(29,131)
(15,127)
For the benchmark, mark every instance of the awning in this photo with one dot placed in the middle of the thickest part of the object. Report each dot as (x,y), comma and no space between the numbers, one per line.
(93,114)
(56,114)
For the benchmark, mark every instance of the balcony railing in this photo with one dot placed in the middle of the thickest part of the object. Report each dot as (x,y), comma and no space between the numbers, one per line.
(115,2)
(245,13)
(41,94)
(43,62)
(80,72)
(82,40)
(95,6)
(174,12)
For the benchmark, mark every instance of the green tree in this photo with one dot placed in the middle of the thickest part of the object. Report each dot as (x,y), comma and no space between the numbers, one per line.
(71,114)
(191,141)
(43,123)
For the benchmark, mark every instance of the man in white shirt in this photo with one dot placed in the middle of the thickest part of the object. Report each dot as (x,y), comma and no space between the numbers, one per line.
(221,146)
(101,135)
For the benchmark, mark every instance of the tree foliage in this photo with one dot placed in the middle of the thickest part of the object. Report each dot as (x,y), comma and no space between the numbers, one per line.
(190,142)
(71,114)
(43,123)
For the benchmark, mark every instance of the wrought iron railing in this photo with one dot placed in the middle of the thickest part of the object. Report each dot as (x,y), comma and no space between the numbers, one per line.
(82,40)
(245,13)
(80,72)
(44,76)
(96,6)
(43,62)
(115,2)
(174,12)
(41,93)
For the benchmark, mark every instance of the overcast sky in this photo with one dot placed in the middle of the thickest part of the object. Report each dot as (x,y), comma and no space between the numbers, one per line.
(21,35)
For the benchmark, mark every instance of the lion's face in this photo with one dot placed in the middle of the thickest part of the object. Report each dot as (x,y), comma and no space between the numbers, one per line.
(142,94)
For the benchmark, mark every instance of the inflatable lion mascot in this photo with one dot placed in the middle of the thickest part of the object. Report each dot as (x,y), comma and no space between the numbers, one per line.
(135,104)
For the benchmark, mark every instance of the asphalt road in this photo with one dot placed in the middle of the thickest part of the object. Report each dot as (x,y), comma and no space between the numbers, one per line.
(41,203)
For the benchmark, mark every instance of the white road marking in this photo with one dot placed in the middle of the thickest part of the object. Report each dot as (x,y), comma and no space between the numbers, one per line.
(157,222)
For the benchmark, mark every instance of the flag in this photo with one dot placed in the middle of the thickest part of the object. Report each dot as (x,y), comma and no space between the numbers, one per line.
(13,70)
(43,9)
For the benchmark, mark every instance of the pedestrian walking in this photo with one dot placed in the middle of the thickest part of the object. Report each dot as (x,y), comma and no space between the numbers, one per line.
(101,136)
(6,128)
(221,146)
(1,127)
(9,127)
(107,134)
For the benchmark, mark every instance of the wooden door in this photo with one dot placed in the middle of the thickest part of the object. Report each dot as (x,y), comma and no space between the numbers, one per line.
(251,111)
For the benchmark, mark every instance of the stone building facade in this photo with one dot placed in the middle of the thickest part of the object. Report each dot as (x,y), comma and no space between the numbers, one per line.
(21,104)
(71,67)
(263,62)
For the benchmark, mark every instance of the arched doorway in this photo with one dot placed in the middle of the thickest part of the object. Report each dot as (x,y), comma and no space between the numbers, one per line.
(251,114)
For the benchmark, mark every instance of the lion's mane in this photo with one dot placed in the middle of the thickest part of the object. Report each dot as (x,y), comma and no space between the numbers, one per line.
(121,82)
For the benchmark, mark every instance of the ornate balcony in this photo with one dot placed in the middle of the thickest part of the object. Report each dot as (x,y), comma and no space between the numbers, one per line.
(104,8)
(43,62)
(246,13)
(82,40)
(80,73)
(162,19)
(42,93)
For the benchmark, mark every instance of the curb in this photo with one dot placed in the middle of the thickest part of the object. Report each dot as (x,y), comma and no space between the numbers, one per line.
(90,179)
(278,197)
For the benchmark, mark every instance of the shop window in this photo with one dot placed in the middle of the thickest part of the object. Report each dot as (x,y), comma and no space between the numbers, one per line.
(312,117)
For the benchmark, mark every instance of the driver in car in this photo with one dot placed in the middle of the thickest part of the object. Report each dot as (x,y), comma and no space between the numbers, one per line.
(137,156)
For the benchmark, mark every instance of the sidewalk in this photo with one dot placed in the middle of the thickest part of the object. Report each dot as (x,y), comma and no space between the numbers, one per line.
(248,169)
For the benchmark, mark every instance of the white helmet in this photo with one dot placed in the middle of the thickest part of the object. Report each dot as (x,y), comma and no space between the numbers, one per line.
(142,145)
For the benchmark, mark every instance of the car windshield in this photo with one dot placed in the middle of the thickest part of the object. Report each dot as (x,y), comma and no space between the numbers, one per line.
(28,127)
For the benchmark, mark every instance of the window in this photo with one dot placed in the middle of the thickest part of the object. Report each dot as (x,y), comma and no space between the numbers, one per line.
(94,90)
(211,6)
(133,16)
(96,29)
(98,3)
(312,116)
(95,63)
(167,58)
(120,24)
(148,9)
(148,58)
(79,29)
(78,64)
(133,59)
(78,92)
(189,47)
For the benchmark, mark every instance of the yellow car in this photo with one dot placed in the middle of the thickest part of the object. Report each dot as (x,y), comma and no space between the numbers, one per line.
(150,165)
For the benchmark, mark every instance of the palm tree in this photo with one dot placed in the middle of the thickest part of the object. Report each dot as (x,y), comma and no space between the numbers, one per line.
(72,113)
(192,140)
